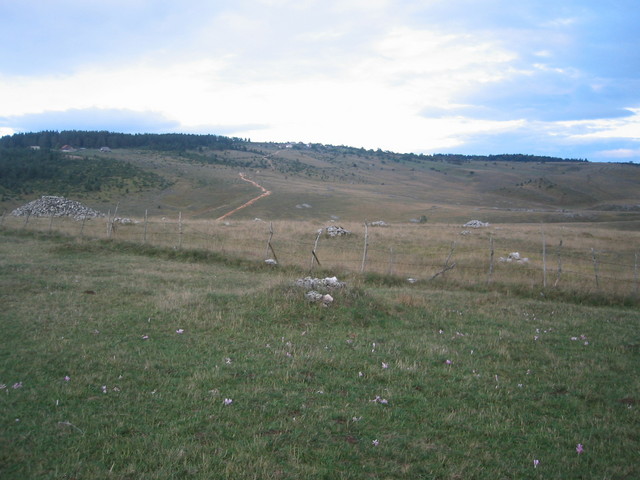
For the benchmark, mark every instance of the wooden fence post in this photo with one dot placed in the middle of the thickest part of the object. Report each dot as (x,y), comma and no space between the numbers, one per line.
(84,219)
(314,257)
(635,273)
(391,260)
(50,223)
(144,237)
(559,264)
(366,246)
(179,230)
(446,267)
(491,252)
(544,261)
(595,266)
(269,246)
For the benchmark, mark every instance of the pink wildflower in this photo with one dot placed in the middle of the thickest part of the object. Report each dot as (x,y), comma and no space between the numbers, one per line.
(17,385)
(448,362)
(179,331)
(145,337)
(67,378)
(228,401)
(536,462)
(579,448)
(385,365)
(375,443)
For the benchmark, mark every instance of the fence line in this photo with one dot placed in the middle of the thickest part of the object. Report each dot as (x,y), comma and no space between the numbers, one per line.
(468,258)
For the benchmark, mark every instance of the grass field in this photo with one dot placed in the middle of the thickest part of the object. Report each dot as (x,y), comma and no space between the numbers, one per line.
(123,361)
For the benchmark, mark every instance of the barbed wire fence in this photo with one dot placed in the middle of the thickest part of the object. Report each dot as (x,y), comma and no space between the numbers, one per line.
(552,264)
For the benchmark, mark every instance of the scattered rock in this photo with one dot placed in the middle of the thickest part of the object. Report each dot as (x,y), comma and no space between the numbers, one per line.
(335,231)
(303,205)
(475,224)
(379,223)
(271,261)
(412,280)
(315,297)
(50,205)
(320,283)
(515,258)
(465,232)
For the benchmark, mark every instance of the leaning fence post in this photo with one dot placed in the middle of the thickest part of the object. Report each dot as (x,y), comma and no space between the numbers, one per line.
(314,257)
(366,246)
(269,246)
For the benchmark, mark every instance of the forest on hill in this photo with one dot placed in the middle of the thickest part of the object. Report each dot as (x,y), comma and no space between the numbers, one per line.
(97,139)
(51,139)
(25,171)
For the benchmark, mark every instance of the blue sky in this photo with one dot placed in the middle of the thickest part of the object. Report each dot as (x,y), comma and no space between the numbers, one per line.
(558,78)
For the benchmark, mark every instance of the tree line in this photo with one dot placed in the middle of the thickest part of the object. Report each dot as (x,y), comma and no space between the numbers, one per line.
(51,139)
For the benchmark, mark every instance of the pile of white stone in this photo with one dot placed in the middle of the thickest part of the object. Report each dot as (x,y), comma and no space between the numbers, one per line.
(322,284)
(334,231)
(50,205)
(514,257)
(475,224)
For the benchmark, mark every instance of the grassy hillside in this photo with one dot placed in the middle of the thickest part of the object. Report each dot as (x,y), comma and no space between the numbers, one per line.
(323,182)
(151,363)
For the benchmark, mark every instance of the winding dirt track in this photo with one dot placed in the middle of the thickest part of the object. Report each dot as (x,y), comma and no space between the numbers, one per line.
(265,193)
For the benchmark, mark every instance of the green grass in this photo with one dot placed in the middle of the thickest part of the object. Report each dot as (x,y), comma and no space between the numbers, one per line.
(303,378)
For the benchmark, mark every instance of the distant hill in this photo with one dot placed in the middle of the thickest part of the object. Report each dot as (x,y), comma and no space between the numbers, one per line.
(197,175)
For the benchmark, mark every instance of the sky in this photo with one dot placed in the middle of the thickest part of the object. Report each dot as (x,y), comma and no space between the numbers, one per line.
(558,78)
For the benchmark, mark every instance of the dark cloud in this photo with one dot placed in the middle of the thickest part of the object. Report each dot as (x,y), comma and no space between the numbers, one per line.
(117,120)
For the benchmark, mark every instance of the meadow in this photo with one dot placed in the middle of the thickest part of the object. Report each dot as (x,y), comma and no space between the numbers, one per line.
(125,358)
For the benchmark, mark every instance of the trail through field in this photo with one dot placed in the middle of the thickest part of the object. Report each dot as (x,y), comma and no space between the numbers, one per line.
(265,193)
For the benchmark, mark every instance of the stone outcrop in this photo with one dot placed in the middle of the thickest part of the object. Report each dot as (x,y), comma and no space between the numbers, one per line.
(50,205)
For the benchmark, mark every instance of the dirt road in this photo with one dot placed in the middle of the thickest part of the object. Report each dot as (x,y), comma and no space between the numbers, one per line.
(265,193)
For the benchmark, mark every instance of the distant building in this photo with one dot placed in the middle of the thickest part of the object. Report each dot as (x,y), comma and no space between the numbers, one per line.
(34,147)
(105,149)
(67,148)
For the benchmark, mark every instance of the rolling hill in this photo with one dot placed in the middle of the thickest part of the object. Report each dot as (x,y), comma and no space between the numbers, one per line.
(199,176)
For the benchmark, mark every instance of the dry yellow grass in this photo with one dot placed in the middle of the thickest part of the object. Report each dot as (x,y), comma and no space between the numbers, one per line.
(575,257)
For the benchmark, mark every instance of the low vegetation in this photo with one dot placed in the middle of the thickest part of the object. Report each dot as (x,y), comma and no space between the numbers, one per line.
(124,363)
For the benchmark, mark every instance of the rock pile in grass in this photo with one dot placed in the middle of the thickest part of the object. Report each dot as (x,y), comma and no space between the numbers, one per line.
(334,231)
(50,205)
(322,284)
(475,224)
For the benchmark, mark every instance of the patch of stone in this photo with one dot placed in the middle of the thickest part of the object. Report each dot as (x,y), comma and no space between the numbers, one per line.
(379,223)
(50,205)
(475,224)
(335,231)
(316,297)
(320,283)
(514,257)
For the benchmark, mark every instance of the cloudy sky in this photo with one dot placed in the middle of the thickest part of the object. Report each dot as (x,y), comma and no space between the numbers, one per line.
(548,77)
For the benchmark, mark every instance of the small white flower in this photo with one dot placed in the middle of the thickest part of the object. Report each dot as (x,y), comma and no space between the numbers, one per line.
(227,361)
(228,401)
(179,331)
(385,365)
(375,443)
